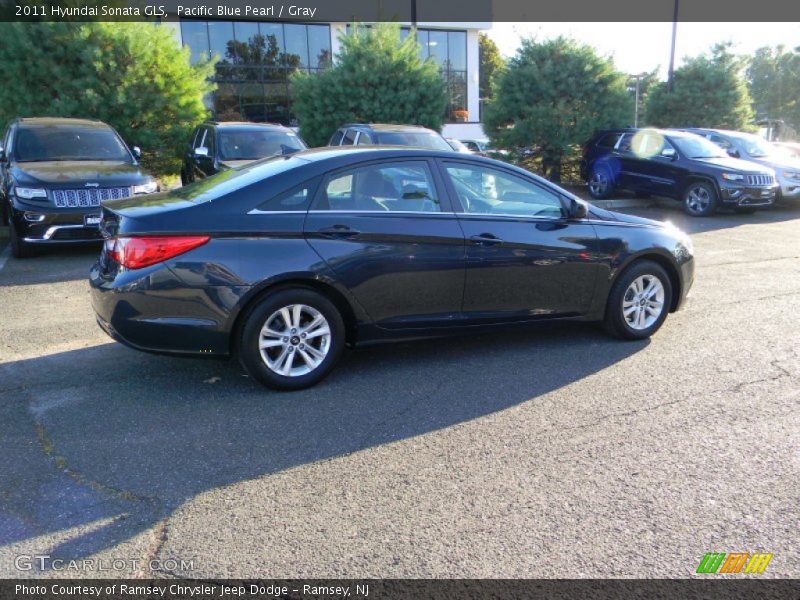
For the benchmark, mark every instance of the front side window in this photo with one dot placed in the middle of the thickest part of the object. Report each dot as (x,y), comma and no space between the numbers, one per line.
(399,186)
(487,191)
(349,137)
(251,145)
(69,143)
(721,142)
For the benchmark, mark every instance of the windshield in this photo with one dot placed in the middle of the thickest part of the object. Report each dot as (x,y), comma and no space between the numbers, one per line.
(252,145)
(69,143)
(698,147)
(755,146)
(412,138)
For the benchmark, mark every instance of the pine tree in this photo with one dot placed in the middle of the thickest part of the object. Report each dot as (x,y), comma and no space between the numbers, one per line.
(376,78)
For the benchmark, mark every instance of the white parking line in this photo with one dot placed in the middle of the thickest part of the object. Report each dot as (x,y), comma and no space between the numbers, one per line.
(4,257)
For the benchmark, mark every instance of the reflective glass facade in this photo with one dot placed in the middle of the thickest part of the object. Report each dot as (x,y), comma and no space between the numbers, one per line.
(256,59)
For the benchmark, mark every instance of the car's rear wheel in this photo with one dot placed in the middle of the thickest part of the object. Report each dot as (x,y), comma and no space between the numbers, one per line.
(601,182)
(292,339)
(19,247)
(700,199)
(639,301)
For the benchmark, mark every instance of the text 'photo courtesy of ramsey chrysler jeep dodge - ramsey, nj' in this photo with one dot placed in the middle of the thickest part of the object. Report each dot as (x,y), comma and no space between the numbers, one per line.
(55,172)
(287,261)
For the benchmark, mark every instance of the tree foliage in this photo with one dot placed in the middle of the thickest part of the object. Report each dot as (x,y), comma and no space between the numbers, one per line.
(377,78)
(491,62)
(133,76)
(553,95)
(708,91)
(774,82)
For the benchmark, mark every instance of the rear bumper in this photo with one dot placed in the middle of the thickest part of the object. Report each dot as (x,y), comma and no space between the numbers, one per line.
(153,311)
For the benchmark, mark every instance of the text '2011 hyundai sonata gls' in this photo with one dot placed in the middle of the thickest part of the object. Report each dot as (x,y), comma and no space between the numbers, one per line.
(288,260)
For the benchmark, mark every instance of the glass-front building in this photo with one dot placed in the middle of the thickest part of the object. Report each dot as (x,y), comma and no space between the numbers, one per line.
(257,58)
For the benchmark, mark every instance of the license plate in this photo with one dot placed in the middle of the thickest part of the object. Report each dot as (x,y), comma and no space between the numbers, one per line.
(91,220)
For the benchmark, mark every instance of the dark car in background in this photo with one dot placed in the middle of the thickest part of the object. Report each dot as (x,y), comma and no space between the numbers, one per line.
(753,148)
(376,134)
(216,146)
(286,261)
(55,172)
(675,164)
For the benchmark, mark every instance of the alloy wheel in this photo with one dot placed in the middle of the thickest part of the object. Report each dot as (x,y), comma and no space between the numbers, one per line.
(643,302)
(294,340)
(598,184)
(698,199)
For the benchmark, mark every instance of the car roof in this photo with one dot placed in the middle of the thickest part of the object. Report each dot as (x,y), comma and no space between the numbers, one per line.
(245,125)
(62,122)
(386,127)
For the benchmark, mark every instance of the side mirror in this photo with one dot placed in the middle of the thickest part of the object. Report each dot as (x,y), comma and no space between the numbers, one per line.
(578,209)
(669,153)
(137,152)
(201,151)
(733,153)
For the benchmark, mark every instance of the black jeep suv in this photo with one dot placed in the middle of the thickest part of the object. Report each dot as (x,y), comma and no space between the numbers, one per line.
(217,146)
(55,172)
(678,165)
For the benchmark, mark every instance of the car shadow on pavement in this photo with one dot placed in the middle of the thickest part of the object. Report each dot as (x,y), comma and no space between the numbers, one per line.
(667,210)
(103,443)
(63,264)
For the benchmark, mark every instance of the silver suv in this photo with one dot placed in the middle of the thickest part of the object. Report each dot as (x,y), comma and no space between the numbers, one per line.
(748,146)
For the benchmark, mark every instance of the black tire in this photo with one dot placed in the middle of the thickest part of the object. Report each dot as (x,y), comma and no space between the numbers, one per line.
(250,354)
(601,182)
(615,322)
(19,247)
(700,199)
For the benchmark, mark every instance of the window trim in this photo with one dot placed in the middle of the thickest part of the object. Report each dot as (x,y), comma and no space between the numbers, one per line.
(446,205)
(458,209)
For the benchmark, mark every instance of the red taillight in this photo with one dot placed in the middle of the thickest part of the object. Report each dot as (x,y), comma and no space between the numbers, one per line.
(139,252)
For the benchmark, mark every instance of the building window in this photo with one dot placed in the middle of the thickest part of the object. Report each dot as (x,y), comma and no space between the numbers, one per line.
(255,61)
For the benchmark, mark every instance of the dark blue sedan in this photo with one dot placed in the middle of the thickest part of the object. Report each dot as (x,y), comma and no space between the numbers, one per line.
(288,260)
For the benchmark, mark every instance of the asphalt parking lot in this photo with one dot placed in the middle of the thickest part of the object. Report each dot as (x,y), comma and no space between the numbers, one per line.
(547,452)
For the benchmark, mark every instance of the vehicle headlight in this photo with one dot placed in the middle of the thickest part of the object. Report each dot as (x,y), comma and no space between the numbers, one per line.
(792,175)
(146,188)
(733,177)
(28,193)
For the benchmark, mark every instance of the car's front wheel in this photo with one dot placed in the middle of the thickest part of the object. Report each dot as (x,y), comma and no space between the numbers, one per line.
(639,301)
(601,183)
(700,199)
(292,339)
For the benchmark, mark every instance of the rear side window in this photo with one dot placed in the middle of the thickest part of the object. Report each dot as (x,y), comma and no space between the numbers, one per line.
(405,186)
(626,144)
(297,198)
(608,140)
(337,138)
(349,137)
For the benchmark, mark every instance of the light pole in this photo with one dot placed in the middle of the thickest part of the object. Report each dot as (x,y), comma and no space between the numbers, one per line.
(638,78)
(672,50)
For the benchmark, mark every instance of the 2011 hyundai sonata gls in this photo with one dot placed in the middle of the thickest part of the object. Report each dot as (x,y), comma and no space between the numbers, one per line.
(287,261)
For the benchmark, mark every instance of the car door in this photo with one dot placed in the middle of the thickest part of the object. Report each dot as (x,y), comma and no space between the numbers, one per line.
(660,169)
(389,234)
(627,163)
(525,258)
